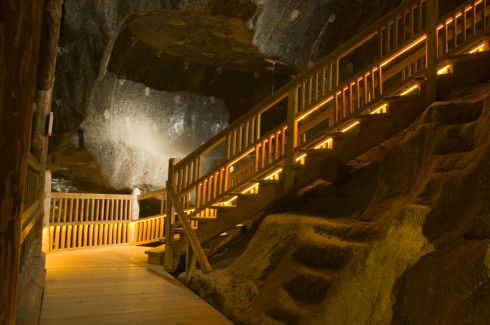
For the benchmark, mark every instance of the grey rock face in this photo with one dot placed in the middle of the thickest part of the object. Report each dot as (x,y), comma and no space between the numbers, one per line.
(133,130)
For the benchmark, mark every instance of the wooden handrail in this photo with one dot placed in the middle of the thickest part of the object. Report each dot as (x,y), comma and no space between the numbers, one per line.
(152,194)
(33,163)
(62,195)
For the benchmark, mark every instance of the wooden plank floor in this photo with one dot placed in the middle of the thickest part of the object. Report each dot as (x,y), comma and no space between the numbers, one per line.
(117,286)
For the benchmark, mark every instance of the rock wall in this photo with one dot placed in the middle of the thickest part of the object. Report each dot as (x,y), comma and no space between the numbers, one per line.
(416,253)
(133,130)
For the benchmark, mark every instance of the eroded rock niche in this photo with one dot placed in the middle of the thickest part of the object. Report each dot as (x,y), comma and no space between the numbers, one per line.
(133,130)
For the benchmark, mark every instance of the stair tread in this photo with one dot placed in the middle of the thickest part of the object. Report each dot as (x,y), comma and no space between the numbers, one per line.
(266,181)
(407,97)
(340,134)
(377,116)
(243,194)
(313,150)
(223,207)
(468,56)
(156,251)
(202,218)
(181,229)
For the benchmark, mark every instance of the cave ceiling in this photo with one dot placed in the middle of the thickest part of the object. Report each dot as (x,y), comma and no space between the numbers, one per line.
(213,55)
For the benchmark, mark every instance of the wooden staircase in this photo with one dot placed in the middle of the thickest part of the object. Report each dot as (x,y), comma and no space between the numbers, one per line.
(331,120)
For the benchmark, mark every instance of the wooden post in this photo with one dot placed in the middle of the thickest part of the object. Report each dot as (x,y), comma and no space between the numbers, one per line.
(169,255)
(292,138)
(431,51)
(135,207)
(169,212)
(46,206)
(192,237)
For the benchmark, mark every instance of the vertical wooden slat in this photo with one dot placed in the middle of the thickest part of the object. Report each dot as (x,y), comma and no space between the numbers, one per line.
(92,236)
(57,230)
(109,235)
(70,211)
(80,235)
(69,232)
(92,209)
(60,210)
(63,237)
(240,138)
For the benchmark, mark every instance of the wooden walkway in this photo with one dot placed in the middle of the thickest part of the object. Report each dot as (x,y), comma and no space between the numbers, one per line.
(117,286)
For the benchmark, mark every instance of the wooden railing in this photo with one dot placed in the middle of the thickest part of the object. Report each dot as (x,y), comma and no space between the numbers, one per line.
(31,211)
(82,220)
(390,58)
(79,220)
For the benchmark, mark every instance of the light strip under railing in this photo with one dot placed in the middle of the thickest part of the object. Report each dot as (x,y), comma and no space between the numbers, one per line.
(376,110)
(313,109)
(479,48)
(405,49)
(350,127)
(409,90)
(444,70)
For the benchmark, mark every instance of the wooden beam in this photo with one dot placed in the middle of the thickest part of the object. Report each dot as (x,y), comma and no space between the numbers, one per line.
(193,240)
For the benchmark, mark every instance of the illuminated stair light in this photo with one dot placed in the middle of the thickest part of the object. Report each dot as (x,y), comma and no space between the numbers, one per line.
(270,176)
(242,156)
(313,109)
(300,157)
(444,70)
(409,90)
(350,127)
(479,48)
(228,203)
(324,143)
(381,109)
(405,49)
(250,188)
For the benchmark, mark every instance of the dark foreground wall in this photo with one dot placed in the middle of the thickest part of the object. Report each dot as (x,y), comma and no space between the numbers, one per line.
(20,29)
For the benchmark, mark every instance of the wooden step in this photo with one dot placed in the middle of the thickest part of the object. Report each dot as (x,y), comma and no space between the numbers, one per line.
(222,207)
(339,134)
(240,194)
(155,255)
(266,181)
(180,230)
(315,151)
(377,116)
(467,57)
(204,219)
(402,98)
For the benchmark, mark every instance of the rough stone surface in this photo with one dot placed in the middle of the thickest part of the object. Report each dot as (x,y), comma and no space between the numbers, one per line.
(134,130)
(416,251)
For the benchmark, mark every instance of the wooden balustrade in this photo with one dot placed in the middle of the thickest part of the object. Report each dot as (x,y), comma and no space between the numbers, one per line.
(31,211)
(325,97)
(81,220)
(71,235)
(80,207)
(148,230)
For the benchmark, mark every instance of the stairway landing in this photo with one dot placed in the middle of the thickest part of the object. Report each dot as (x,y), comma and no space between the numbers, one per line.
(117,286)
